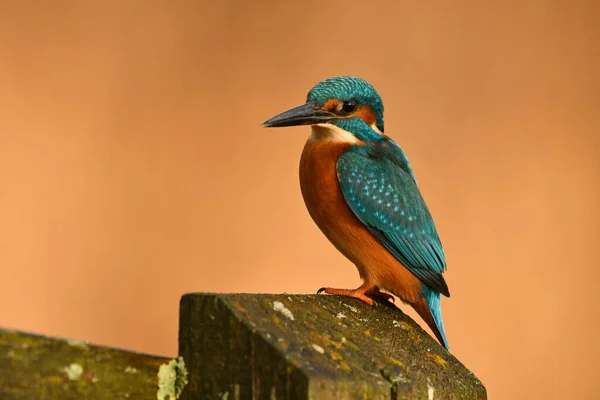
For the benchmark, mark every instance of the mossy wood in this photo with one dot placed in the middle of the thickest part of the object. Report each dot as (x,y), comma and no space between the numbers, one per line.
(248,346)
(39,367)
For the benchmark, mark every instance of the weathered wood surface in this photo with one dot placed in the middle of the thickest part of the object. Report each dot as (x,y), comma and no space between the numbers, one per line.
(40,368)
(248,346)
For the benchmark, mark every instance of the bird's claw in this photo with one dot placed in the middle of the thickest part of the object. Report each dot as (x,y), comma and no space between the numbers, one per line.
(356,293)
(361,294)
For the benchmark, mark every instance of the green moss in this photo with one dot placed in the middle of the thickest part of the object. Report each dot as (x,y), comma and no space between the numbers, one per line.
(46,368)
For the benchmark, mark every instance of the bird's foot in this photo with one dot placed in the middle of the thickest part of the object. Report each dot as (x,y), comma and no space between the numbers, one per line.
(356,293)
(362,293)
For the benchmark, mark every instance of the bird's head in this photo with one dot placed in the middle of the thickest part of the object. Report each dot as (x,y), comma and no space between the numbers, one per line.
(343,108)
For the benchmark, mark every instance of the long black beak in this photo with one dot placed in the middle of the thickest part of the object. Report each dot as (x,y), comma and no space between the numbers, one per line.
(306,114)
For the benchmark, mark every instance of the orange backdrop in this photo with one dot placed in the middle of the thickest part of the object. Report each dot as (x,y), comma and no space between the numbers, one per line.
(133,167)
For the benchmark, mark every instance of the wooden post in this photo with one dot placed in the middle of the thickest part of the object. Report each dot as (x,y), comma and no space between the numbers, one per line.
(248,346)
(245,346)
(43,368)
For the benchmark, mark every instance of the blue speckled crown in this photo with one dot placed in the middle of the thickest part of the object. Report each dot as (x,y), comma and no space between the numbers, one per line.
(345,88)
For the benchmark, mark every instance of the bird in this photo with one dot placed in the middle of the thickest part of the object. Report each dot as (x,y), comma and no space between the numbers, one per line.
(360,190)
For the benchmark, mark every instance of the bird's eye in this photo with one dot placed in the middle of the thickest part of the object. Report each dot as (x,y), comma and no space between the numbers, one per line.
(349,106)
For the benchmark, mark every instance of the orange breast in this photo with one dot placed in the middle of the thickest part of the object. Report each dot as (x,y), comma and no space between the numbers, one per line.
(327,207)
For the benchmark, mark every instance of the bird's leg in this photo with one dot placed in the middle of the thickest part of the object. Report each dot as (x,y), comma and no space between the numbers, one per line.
(361,293)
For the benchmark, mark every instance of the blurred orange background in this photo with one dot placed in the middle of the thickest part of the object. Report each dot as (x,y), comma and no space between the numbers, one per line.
(134,168)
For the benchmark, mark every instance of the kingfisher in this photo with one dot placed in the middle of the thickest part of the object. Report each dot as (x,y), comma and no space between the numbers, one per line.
(360,190)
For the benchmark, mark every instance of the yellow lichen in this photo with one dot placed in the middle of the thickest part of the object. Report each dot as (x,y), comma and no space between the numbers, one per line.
(336,356)
(396,362)
(411,331)
(54,380)
(344,365)
(351,344)
(405,325)
(438,360)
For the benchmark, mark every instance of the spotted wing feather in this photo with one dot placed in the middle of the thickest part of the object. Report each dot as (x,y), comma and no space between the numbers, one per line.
(378,185)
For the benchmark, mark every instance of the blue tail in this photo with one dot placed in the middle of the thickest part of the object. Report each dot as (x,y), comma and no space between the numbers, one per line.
(430,309)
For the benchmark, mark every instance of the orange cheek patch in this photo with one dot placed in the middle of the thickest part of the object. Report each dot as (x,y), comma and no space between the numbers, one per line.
(331,105)
(363,112)
(366,114)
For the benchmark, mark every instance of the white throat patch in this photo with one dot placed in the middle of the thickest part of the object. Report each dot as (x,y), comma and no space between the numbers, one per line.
(331,133)
(376,129)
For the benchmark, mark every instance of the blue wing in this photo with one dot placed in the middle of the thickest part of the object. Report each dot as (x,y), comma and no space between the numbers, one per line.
(379,186)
